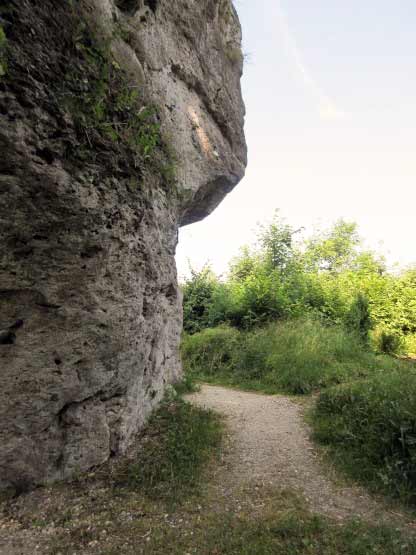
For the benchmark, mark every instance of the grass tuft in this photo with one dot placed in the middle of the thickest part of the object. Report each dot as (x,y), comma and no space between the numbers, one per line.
(180,440)
(186,385)
(3,52)
(370,428)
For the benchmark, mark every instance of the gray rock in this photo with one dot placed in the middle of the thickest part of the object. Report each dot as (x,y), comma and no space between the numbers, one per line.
(90,311)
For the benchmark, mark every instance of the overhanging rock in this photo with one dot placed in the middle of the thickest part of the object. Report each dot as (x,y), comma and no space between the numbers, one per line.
(120,121)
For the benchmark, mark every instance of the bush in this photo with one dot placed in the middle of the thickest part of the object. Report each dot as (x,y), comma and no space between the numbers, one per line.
(211,351)
(297,356)
(197,299)
(389,342)
(359,319)
(409,344)
(330,276)
(370,427)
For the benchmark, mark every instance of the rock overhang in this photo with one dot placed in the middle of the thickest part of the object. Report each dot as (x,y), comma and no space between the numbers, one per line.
(88,287)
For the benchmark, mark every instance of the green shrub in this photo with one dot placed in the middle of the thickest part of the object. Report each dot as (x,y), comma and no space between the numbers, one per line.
(203,301)
(359,319)
(297,356)
(186,385)
(370,427)
(211,351)
(389,342)
(409,344)
(330,276)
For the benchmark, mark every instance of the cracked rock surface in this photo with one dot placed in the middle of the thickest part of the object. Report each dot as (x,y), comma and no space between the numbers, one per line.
(90,311)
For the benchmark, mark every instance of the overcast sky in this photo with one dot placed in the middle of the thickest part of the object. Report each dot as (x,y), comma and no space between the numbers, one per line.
(330,91)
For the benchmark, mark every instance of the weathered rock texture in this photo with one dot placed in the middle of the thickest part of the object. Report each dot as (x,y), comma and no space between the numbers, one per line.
(120,121)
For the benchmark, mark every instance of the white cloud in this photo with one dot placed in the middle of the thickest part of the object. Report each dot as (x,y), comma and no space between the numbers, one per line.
(327,108)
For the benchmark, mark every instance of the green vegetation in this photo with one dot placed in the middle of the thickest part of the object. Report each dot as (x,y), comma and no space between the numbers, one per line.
(208,528)
(3,52)
(370,427)
(319,315)
(331,277)
(151,502)
(180,439)
(295,356)
(300,533)
(106,108)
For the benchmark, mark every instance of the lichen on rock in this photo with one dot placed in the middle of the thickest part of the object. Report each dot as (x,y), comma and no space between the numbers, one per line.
(121,121)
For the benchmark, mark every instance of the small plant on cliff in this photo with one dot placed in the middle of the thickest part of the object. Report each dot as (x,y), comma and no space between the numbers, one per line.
(109,111)
(104,105)
(146,133)
(3,52)
(234,53)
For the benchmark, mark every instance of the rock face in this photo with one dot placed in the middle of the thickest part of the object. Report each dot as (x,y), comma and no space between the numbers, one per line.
(120,121)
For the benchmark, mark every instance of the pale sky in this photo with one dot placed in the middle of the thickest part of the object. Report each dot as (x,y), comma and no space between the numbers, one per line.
(330,92)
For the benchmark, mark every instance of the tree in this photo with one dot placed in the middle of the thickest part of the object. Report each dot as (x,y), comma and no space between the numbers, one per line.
(243,265)
(276,243)
(335,250)
(198,293)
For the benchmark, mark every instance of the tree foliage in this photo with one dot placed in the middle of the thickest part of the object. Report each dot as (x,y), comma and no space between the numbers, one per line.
(330,276)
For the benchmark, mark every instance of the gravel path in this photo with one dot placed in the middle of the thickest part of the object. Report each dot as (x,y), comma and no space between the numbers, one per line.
(270,445)
(267,449)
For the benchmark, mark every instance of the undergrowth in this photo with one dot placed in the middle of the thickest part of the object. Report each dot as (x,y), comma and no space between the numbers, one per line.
(179,440)
(298,357)
(366,411)
(369,427)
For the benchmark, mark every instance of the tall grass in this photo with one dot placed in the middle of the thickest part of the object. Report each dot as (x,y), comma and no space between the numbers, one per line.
(370,427)
(297,356)
(179,440)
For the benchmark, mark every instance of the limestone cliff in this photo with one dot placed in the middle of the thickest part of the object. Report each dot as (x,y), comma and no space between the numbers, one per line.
(120,121)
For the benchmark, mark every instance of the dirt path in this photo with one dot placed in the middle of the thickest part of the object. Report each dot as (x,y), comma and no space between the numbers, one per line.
(267,455)
(270,445)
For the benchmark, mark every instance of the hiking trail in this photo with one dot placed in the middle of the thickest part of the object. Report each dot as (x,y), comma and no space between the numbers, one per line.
(269,444)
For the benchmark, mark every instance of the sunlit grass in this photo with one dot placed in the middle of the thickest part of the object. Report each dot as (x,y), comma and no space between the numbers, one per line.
(370,429)
(296,357)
